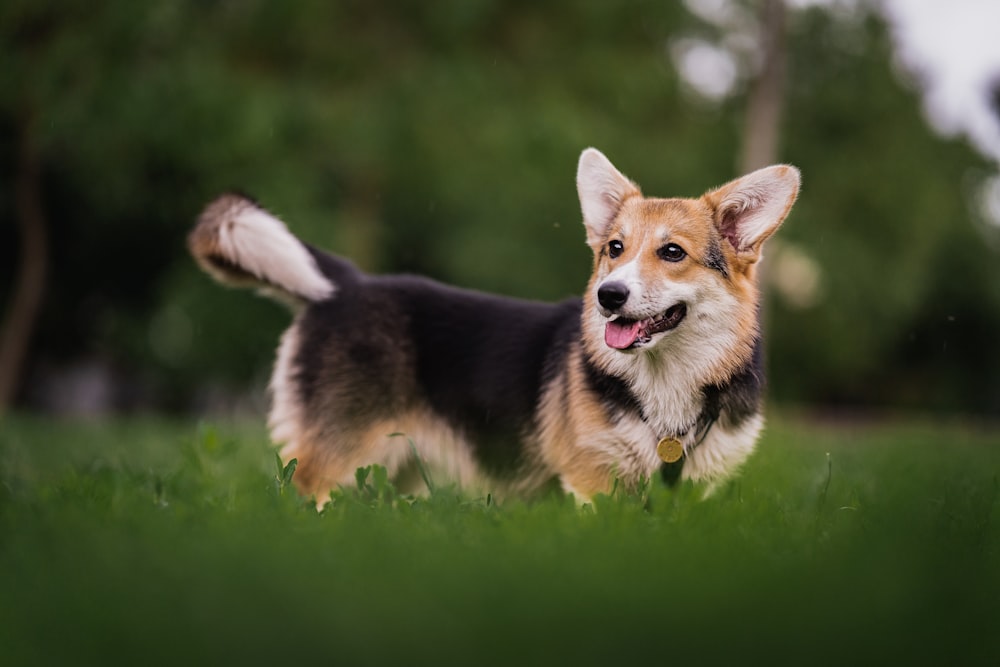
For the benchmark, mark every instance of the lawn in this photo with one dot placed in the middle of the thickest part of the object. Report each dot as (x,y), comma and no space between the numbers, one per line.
(142,541)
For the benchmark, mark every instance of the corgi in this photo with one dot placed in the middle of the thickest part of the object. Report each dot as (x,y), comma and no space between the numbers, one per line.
(657,369)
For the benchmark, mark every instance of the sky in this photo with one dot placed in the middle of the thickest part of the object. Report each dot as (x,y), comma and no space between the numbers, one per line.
(954,49)
(949,48)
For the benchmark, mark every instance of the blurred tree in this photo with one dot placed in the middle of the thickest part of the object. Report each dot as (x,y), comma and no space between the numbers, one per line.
(120,117)
(19,321)
(442,138)
(766,94)
(888,217)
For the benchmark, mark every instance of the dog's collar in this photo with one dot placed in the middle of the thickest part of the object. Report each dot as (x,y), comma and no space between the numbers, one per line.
(671,450)
(739,397)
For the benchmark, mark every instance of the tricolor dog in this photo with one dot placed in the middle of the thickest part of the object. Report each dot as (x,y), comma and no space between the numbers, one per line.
(657,369)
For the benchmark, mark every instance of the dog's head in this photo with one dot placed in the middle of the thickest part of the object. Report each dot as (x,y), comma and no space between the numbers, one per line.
(677,271)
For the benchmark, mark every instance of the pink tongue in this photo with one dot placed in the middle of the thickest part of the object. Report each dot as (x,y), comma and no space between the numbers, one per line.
(620,336)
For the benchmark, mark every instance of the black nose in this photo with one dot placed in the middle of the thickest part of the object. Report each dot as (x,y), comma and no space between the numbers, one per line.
(612,295)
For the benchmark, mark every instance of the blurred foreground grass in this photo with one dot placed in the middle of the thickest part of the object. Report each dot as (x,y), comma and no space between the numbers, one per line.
(144,541)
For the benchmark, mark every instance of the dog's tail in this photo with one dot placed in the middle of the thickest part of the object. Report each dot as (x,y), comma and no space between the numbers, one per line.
(241,244)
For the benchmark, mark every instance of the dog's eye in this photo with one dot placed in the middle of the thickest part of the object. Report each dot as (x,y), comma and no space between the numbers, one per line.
(615,248)
(671,253)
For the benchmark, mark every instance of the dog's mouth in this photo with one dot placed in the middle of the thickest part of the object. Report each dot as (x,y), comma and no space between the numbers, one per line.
(622,333)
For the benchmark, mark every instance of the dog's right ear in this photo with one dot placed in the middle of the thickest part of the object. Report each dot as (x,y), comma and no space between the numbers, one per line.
(750,209)
(602,190)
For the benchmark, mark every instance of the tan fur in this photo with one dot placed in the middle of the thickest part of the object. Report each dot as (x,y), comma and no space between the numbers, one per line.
(571,415)
(328,459)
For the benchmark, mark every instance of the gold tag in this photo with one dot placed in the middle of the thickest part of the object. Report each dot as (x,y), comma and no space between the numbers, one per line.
(670,450)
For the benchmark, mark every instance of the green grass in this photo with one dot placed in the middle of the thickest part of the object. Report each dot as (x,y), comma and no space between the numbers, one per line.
(139,541)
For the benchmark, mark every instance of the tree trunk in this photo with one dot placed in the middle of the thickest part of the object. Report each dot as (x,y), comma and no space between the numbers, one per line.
(763,120)
(767,92)
(29,283)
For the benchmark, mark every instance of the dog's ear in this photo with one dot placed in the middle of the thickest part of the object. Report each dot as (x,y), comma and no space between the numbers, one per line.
(748,210)
(602,190)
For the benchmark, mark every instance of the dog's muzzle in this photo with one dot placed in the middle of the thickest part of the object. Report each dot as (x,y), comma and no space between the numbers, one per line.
(623,333)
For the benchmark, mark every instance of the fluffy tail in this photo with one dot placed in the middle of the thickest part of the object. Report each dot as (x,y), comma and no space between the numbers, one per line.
(240,244)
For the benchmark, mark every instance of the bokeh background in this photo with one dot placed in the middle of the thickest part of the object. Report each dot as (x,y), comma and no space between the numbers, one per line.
(442,138)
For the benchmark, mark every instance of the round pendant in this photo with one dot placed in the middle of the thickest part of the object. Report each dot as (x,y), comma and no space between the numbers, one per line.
(670,450)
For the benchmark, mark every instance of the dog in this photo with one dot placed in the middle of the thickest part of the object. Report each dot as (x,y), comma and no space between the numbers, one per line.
(656,369)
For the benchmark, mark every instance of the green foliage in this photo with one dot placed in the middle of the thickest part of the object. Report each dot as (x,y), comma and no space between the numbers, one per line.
(283,477)
(165,542)
(424,474)
(442,138)
(909,278)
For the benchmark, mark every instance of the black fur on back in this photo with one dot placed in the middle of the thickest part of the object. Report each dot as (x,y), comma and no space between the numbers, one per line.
(477,360)
(481,359)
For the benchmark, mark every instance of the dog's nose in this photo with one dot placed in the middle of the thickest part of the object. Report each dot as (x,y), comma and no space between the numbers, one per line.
(613,295)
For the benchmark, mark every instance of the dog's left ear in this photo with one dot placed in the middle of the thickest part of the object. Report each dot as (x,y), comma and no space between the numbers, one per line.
(602,190)
(750,209)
